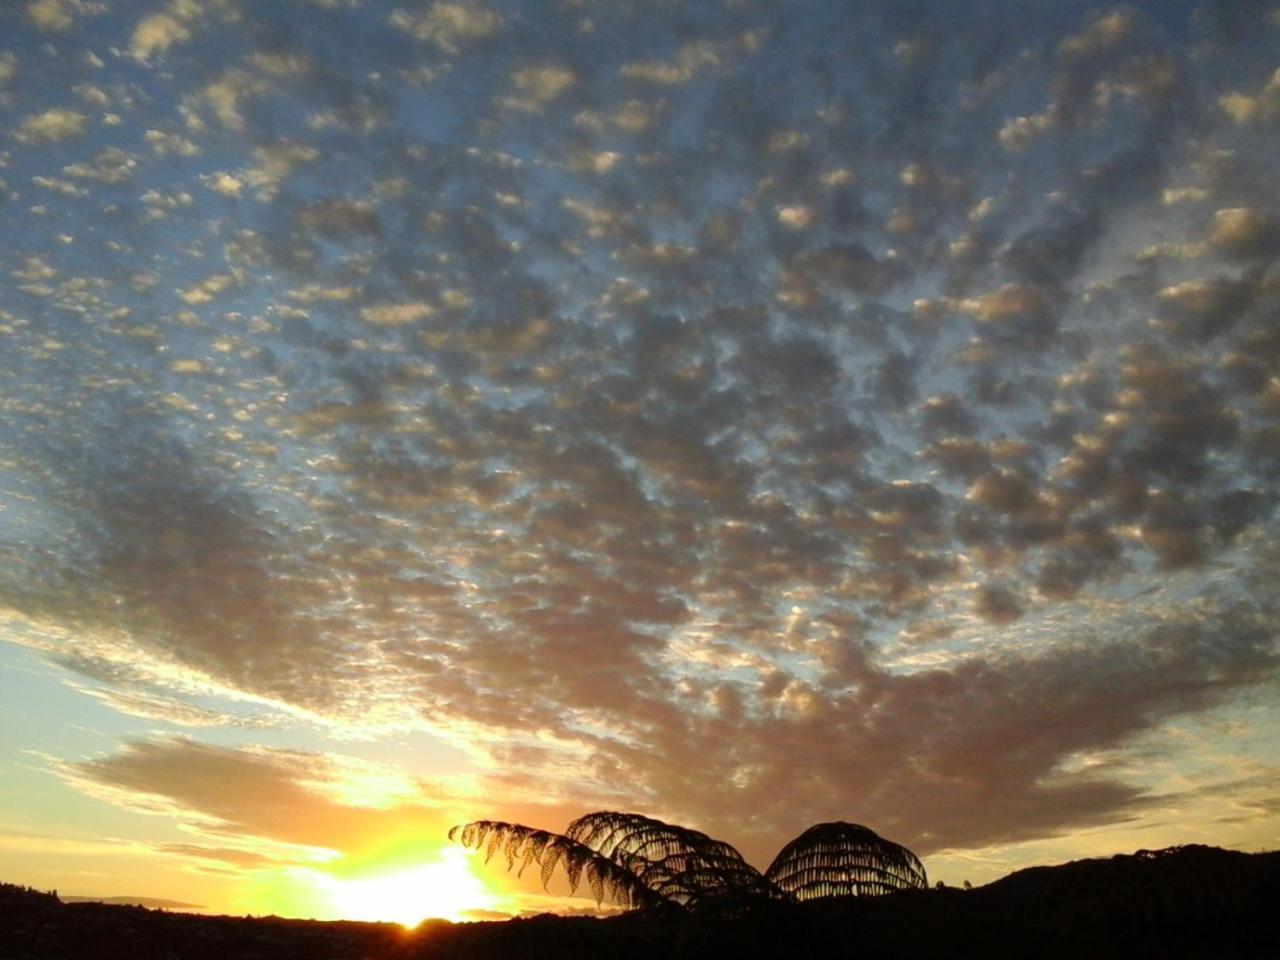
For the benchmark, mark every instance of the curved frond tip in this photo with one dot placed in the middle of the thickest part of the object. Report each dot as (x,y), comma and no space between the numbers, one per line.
(605,878)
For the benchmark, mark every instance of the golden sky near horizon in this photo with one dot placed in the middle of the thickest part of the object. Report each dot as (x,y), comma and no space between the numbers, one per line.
(749,414)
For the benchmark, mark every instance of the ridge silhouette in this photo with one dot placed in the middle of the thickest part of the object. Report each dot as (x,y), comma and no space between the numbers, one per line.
(1188,901)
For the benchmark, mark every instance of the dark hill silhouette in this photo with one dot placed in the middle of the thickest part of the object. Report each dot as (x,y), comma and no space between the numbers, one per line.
(158,902)
(1191,901)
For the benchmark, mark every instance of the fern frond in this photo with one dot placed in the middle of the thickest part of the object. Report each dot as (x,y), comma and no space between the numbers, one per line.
(633,834)
(685,866)
(606,878)
(844,859)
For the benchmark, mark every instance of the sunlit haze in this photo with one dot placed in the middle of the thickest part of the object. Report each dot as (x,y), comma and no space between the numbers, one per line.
(746,413)
(447,888)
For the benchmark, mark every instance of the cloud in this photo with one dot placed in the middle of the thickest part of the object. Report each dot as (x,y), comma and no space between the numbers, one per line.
(223,183)
(691,58)
(152,706)
(638,411)
(984,756)
(798,218)
(1206,305)
(52,126)
(228,96)
(341,218)
(1102,35)
(111,165)
(58,16)
(156,33)
(169,144)
(8,68)
(1244,233)
(272,165)
(539,85)
(1019,133)
(207,290)
(448,25)
(64,187)
(1254,107)
(397,314)
(997,604)
(277,806)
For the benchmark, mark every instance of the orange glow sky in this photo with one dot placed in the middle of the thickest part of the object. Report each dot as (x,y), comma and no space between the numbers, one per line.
(748,414)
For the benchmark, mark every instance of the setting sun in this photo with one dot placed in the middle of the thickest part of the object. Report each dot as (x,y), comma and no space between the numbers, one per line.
(445,888)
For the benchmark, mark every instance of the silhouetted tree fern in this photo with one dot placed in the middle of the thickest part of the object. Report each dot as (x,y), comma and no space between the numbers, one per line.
(638,861)
(844,860)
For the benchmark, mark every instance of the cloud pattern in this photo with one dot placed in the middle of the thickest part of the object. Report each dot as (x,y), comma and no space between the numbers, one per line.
(755,414)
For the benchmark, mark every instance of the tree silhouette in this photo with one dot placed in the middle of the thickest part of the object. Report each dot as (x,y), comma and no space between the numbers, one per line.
(844,860)
(637,861)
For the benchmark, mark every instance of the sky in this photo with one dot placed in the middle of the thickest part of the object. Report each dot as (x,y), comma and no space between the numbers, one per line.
(748,414)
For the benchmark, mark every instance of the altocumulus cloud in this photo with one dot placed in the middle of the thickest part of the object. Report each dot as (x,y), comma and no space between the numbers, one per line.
(754,413)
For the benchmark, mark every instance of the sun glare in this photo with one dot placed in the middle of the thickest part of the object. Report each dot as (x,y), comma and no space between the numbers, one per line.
(446,888)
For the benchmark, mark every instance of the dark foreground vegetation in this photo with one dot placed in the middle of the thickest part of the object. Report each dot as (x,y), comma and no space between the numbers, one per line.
(1187,901)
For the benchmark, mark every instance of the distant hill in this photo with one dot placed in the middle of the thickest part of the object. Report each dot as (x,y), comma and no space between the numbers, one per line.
(158,903)
(1191,901)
